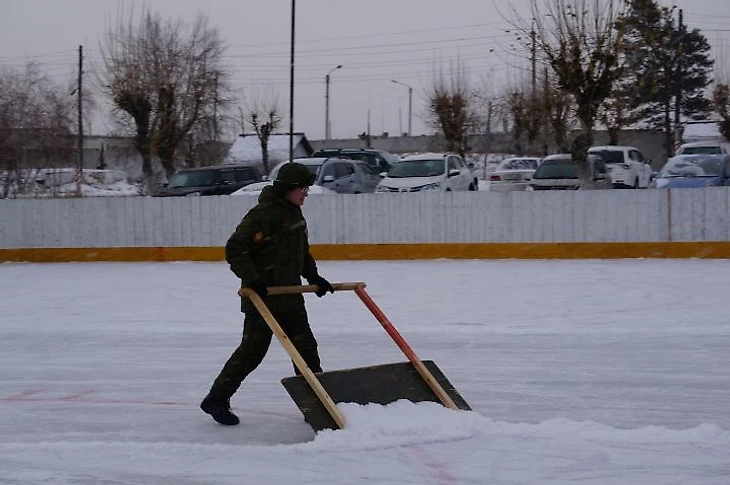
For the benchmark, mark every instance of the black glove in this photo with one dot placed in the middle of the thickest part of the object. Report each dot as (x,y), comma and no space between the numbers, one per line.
(323,284)
(259,287)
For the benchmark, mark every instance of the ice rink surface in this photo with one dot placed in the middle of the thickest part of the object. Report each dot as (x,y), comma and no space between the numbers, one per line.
(590,372)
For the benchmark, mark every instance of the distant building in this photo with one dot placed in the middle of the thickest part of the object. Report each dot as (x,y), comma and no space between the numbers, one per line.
(247,149)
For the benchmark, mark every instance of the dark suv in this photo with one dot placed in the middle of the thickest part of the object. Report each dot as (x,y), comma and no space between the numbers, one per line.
(213,180)
(380,160)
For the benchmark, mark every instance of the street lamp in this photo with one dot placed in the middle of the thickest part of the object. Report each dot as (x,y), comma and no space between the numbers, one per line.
(410,103)
(291,80)
(327,102)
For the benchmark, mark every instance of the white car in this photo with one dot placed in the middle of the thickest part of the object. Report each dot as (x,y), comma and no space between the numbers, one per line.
(313,164)
(627,167)
(444,172)
(513,173)
(704,148)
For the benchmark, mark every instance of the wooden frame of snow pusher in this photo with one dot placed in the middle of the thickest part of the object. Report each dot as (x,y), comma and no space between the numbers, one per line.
(316,394)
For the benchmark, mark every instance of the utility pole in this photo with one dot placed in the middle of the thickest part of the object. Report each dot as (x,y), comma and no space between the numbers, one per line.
(400,121)
(410,109)
(367,136)
(533,58)
(215,108)
(678,79)
(291,83)
(80,140)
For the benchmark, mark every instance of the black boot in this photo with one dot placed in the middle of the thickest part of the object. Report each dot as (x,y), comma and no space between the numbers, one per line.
(220,409)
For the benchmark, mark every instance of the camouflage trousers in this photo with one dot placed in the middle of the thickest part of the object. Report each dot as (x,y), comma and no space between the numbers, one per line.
(255,344)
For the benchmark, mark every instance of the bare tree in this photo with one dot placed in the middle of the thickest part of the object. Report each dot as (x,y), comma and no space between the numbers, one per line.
(519,110)
(581,42)
(450,108)
(264,116)
(558,109)
(164,76)
(721,102)
(36,119)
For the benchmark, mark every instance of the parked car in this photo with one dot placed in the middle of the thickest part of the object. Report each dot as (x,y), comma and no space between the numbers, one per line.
(212,180)
(627,167)
(513,174)
(380,160)
(313,164)
(347,176)
(255,189)
(704,148)
(444,172)
(340,175)
(685,171)
(560,172)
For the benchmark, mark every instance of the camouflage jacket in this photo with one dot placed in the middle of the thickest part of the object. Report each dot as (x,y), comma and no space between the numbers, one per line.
(271,243)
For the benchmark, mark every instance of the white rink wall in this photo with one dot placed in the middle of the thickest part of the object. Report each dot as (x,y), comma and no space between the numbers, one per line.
(684,215)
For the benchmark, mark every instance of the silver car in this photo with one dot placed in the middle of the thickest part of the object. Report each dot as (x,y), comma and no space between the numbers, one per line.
(339,175)
(347,176)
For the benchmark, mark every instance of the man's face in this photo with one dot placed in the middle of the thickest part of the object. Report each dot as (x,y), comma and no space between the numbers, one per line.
(297,196)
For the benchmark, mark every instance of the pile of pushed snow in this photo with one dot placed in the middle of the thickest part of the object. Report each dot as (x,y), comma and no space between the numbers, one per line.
(402,423)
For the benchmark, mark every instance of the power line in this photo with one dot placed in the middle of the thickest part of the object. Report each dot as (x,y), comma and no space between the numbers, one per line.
(370,35)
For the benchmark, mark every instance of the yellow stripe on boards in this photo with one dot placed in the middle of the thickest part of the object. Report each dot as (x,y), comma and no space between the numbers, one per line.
(364,252)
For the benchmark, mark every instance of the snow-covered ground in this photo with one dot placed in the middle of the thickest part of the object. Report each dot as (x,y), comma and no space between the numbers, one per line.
(590,372)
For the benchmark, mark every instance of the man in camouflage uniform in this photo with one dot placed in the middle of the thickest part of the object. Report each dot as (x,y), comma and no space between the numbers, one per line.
(270,247)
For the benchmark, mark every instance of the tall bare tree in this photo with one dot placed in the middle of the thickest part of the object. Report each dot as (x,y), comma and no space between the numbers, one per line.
(721,105)
(558,108)
(36,120)
(581,41)
(451,108)
(518,103)
(264,116)
(163,76)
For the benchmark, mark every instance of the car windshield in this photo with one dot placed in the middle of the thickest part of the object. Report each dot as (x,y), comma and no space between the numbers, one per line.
(701,150)
(314,169)
(370,158)
(417,168)
(557,169)
(368,169)
(518,164)
(692,166)
(192,178)
(609,156)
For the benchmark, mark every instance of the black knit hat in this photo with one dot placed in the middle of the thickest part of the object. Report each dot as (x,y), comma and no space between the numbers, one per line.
(293,175)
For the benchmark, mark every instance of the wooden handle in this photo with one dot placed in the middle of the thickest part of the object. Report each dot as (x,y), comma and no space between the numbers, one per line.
(406,349)
(296,357)
(289,290)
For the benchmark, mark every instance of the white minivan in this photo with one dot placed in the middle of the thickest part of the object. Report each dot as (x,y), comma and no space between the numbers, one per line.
(444,172)
(627,166)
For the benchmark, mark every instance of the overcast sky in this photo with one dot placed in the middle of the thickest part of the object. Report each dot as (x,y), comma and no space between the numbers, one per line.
(375,41)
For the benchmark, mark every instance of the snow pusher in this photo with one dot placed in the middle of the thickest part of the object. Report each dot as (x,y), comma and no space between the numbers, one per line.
(316,395)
